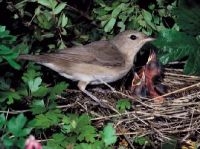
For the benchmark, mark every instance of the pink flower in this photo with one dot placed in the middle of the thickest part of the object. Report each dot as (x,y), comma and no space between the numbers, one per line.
(32,143)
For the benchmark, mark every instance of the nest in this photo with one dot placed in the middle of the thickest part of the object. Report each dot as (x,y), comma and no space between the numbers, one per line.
(178,116)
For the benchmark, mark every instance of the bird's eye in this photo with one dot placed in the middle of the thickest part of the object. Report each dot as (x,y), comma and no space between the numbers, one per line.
(133,37)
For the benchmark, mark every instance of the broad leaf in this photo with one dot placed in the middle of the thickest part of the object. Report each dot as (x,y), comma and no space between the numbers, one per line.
(109,135)
(48,119)
(34,84)
(188,19)
(87,133)
(58,89)
(176,45)
(45,3)
(2,120)
(16,126)
(38,107)
(123,104)
(59,8)
(109,26)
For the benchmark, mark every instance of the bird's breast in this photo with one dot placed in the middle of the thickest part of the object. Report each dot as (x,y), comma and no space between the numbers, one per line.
(94,74)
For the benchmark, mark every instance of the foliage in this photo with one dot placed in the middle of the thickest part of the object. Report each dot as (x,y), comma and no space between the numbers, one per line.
(39,26)
(109,135)
(7,50)
(126,14)
(123,104)
(187,18)
(73,129)
(57,20)
(14,130)
(77,132)
(142,140)
(177,46)
(185,44)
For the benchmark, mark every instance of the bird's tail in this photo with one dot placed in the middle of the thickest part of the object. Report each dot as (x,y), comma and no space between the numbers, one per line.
(35,58)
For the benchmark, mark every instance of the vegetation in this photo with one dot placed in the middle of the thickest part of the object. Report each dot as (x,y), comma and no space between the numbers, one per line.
(29,94)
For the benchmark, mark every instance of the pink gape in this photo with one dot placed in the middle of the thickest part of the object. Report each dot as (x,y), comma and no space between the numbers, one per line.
(32,143)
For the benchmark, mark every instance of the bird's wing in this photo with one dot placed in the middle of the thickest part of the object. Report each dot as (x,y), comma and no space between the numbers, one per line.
(100,53)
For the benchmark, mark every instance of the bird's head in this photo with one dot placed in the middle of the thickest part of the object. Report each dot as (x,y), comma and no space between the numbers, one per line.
(129,42)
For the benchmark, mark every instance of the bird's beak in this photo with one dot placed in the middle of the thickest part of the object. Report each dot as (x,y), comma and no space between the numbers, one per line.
(148,38)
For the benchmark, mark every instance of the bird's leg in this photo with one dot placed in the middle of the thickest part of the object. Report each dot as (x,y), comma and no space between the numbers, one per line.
(103,82)
(82,85)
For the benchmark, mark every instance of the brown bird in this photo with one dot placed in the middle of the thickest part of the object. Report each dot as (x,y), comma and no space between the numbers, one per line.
(99,62)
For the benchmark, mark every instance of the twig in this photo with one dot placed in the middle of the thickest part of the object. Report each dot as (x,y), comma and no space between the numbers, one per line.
(176,62)
(182,75)
(15,112)
(191,119)
(118,92)
(179,90)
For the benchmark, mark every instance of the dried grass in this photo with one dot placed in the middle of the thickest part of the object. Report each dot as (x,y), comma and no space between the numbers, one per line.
(178,116)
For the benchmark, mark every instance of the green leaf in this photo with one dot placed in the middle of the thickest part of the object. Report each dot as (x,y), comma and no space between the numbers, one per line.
(147,15)
(188,18)
(59,8)
(142,140)
(53,3)
(45,20)
(34,84)
(20,142)
(7,141)
(10,96)
(5,36)
(21,48)
(192,65)
(45,3)
(148,18)
(2,29)
(9,55)
(117,10)
(100,2)
(4,84)
(62,45)
(98,145)
(64,20)
(84,146)
(58,141)
(122,26)
(31,74)
(100,11)
(16,126)
(109,26)
(13,63)
(67,124)
(58,89)
(38,107)
(87,133)
(2,120)
(4,50)
(41,92)
(109,135)
(84,120)
(123,104)
(48,119)
(175,46)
